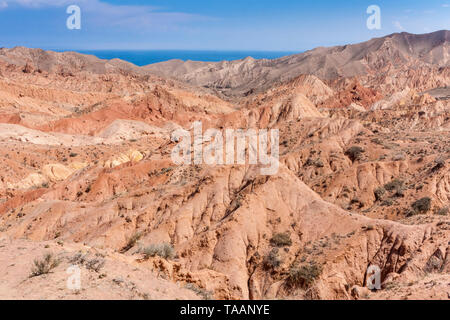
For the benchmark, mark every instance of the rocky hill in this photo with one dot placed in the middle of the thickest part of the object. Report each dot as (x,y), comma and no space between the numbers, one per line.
(374,58)
(86,176)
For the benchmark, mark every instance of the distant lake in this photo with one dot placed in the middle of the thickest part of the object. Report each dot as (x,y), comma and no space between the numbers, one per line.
(142,58)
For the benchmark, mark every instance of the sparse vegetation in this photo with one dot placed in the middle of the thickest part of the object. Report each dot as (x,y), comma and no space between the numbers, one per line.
(354,153)
(379,193)
(44,266)
(443,211)
(434,264)
(399,157)
(377,141)
(439,164)
(319,163)
(394,185)
(422,206)
(281,240)
(163,250)
(206,295)
(95,264)
(131,242)
(272,260)
(108,200)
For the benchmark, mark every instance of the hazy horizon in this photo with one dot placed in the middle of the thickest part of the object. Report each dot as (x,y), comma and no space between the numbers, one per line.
(146,57)
(143,57)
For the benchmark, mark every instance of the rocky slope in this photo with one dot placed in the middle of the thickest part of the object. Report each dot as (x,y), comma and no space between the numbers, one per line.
(86,175)
(378,58)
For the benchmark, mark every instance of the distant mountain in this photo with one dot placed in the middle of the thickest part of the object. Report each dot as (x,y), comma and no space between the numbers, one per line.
(383,58)
(372,57)
(65,62)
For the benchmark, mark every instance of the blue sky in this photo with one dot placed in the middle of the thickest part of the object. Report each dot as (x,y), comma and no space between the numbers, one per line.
(282,25)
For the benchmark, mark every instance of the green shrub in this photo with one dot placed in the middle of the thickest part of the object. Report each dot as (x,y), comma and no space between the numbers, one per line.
(281,240)
(163,250)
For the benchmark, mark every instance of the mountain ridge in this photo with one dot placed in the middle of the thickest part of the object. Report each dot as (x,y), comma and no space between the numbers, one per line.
(390,52)
(87,175)
(22,54)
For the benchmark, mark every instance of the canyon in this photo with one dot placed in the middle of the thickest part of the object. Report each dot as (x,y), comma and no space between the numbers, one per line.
(86,175)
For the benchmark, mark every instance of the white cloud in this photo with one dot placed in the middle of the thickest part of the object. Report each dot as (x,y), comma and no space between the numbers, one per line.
(446,5)
(106,14)
(398,25)
(3,5)
(40,3)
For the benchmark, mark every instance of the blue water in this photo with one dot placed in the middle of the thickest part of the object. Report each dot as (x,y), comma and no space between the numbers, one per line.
(142,58)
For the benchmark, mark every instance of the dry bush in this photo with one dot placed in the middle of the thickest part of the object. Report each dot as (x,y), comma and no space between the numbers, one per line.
(272,260)
(304,276)
(206,295)
(354,153)
(394,185)
(44,266)
(443,211)
(281,240)
(379,193)
(422,205)
(163,250)
(131,242)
